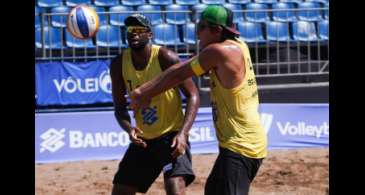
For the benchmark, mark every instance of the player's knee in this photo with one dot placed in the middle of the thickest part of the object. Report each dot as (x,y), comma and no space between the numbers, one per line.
(175,186)
(120,189)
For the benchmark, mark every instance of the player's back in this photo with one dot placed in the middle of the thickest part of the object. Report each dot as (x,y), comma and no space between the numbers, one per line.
(235,112)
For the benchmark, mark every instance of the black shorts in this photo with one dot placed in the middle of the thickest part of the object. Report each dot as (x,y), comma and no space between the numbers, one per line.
(232,174)
(141,166)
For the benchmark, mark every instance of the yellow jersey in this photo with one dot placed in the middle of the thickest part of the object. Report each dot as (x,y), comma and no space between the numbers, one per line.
(164,114)
(235,113)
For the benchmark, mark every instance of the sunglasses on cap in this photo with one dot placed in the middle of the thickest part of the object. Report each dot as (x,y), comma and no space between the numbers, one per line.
(137,29)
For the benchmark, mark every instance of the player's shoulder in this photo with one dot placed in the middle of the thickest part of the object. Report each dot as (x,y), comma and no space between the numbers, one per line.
(221,49)
(166,54)
(117,62)
(166,57)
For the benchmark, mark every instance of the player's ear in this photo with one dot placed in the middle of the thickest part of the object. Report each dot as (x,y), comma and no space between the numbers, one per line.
(150,35)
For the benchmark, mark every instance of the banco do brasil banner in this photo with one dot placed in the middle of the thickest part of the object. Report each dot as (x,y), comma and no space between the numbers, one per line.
(97,135)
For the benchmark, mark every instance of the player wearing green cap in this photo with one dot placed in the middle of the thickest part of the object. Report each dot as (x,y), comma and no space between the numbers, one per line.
(234,101)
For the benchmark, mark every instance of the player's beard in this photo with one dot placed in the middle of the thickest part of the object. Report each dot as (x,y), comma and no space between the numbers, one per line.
(139,46)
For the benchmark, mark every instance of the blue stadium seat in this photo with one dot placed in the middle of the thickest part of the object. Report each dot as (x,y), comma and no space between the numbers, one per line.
(265,1)
(52,37)
(323,29)
(103,18)
(284,16)
(189,33)
(277,31)
(237,11)
(319,1)
(161,2)
(155,18)
(291,1)
(59,20)
(106,3)
(197,10)
(166,34)
(37,17)
(133,2)
(109,36)
(239,1)
(49,3)
(117,19)
(304,31)
(208,2)
(326,11)
(251,32)
(309,15)
(177,17)
(187,2)
(71,41)
(73,3)
(257,16)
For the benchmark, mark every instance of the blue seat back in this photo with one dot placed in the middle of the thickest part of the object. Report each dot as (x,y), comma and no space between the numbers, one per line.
(237,11)
(323,29)
(133,2)
(304,31)
(59,20)
(155,18)
(109,36)
(309,15)
(282,15)
(257,16)
(177,17)
(161,2)
(166,34)
(251,32)
(277,31)
(52,37)
(71,41)
(189,33)
(117,19)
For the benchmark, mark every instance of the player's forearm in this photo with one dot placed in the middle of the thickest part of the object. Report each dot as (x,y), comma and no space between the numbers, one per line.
(124,120)
(190,113)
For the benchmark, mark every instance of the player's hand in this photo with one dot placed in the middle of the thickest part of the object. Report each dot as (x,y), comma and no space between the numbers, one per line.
(180,144)
(138,100)
(134,138)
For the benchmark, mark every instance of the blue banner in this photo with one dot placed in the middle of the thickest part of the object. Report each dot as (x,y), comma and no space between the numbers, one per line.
(64,83)
(97,135)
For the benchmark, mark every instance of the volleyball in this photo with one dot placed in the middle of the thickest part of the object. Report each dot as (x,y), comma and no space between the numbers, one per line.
(82,22)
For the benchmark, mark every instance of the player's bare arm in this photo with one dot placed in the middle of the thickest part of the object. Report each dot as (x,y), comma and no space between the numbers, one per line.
(120,102)
(175,75)
(168,58)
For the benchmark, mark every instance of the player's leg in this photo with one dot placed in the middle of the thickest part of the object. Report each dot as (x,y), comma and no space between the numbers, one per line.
(232,174)
(121,189)
(178,173)
(136,171)
(175,185)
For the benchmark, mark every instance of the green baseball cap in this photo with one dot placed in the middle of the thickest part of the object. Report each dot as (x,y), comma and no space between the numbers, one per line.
(219,15)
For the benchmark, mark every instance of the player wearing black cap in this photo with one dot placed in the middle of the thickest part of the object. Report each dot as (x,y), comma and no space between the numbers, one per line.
(159,140)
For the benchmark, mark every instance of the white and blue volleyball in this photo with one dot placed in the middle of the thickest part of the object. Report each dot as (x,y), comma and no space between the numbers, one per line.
(83,22)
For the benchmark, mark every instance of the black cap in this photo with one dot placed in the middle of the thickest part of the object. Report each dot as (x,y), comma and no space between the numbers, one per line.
(137,20)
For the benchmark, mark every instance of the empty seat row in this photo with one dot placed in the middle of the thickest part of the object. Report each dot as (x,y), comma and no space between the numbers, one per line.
(280,31)
(176,14)
(109,3)
(171,35)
